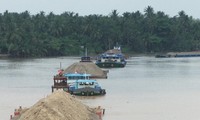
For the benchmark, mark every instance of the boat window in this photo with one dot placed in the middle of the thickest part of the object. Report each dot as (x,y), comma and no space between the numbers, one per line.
(77,77)
(86,83)
(92,83)
(81,83)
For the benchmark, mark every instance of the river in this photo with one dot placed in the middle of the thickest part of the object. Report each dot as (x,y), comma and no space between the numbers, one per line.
(147,88)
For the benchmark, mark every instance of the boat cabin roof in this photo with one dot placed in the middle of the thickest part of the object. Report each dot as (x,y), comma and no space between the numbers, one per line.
(76,75)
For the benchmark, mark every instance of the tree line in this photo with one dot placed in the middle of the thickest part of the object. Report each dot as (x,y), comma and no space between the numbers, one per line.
(26,35)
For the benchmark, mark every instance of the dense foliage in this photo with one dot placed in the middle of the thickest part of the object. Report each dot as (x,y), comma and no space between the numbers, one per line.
(24,35)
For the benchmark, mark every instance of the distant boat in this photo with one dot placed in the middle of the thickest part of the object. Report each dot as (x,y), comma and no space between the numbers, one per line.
(179,54)
(86,59)
(4,55)
(111,59)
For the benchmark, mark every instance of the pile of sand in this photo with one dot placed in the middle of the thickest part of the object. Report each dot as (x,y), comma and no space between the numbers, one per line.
(59,106)
(86,67)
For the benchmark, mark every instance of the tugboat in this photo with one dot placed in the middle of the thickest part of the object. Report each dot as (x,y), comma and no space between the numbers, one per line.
(81,84)
(111,59)
(86,88)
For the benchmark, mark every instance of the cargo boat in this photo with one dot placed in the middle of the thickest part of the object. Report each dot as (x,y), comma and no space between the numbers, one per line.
(111,59)
(81,84)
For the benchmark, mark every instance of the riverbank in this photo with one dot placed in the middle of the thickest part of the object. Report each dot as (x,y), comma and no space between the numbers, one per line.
(4,55)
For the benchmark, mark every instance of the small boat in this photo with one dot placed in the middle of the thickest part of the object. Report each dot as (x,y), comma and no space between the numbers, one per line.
(86,88)
(85,59)
(111,59)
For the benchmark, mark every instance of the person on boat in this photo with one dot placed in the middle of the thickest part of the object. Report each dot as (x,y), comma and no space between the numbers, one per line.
(60,72)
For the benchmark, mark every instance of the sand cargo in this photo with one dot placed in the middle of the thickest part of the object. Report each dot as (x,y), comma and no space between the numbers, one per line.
(87,67)
(57,106)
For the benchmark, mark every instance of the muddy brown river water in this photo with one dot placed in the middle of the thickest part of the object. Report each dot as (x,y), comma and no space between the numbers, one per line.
(147,88)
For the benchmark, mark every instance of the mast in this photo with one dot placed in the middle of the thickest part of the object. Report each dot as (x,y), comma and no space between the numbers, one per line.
(85,51)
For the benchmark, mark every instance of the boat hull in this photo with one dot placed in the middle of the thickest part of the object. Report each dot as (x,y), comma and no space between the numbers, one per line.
(110,65)
(88,92)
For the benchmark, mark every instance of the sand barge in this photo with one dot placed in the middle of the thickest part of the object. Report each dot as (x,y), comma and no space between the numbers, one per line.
(58,106)
(87,67)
